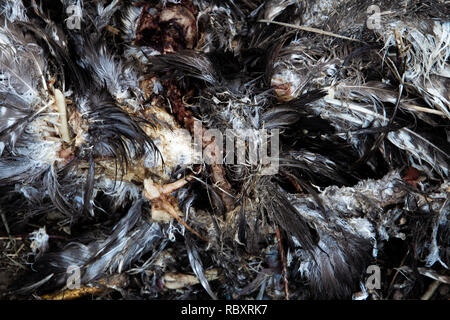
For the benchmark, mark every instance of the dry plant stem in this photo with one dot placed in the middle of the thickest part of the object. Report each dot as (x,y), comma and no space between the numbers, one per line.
(19,250)
(115,281)
(309,29)
(423,109)
(73,294)
(283,261)
(9,238)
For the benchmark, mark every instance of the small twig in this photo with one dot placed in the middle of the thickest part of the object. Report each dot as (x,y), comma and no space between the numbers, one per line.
(11,238)
(15,262)
(20,249)
(310,29)
(73,294)
(423,109)
(26,237)
(115,281)
(283,261)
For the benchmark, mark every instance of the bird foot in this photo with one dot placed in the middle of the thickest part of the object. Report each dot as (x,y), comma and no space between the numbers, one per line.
(159,196)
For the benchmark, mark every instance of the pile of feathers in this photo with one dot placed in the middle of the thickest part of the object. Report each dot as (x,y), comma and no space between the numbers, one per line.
(102,194)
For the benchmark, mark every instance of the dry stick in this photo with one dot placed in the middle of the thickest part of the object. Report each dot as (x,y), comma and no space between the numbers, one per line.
(14,262)
(27,237)
(20,249)
(73,294)
(283,261)
(423,109)
(115,281)
(9,238)
(310,29)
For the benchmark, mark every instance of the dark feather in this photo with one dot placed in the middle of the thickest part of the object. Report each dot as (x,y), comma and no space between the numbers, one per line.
(132,237)
(197,266)
(186,63)
(286,115)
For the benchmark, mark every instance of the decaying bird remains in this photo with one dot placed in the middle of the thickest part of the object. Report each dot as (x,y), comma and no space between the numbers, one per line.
(280,149)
